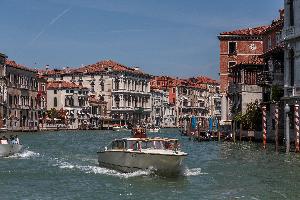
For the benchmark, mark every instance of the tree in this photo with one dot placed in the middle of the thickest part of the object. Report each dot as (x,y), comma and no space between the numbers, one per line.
(252,118)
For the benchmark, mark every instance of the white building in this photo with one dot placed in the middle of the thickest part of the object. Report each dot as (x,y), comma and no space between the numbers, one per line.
(69,98)
(291,36)
(126,90)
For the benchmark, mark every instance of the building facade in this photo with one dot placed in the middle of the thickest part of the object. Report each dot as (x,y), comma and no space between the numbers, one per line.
(22,97)
(125,89)
(291,38)
(3,92)
(236,47)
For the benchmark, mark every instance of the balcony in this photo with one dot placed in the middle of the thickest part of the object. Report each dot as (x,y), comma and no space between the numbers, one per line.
(288,33)
(264,78)
(234,88)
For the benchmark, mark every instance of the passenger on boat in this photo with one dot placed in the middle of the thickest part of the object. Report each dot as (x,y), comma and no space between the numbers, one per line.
(12,140)
(157,145)
(17,140)
(3,140)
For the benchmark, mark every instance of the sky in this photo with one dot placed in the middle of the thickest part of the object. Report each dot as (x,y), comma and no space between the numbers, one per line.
(162,37)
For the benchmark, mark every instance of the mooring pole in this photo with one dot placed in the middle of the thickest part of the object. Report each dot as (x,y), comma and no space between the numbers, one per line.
(276,126)
(296,127)
(264,125)
(287,127)
(234,131)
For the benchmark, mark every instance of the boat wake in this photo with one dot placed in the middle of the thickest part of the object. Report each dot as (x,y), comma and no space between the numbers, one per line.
(193,172)
(26,154)
(90,169)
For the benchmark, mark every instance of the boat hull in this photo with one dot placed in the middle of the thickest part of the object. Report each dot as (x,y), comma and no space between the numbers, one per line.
(9,149)
(127,161)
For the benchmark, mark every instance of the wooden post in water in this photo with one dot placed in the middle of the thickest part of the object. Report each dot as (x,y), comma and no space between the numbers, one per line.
(296,116)
(234,130)
(287,127)
(264,125)
(276,127)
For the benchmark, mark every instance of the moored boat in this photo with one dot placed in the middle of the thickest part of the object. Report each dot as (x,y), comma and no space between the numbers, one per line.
(140,153)
(117,127)
(153,130)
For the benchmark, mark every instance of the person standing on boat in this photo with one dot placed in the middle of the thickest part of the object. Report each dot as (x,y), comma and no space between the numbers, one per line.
(17,140)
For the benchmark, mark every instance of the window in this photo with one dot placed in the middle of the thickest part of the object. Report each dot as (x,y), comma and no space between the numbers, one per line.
(231,64)
(292,17)
(232,48)
(55,101)
(278,37)
(55,91)
(71,91)
(269,42)
(292,67)
(10,100)
(67,91)
(174,90)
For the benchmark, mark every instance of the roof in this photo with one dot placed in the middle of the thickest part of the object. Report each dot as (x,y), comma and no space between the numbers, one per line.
(63,85)
(13,64)
(198,82)
(256,31)
(206,80)
(276,24)
(101,66)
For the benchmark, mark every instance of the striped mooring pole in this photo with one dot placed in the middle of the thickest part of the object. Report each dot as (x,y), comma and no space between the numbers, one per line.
(297,127)
(264,125)
(276,127)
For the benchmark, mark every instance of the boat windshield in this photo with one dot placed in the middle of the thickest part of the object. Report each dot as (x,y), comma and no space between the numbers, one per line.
(117,145)
(137,145)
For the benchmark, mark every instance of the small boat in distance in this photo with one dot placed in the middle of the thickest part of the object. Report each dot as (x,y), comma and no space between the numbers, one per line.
(117,127)
(152,129)
(140,152)
(10,146)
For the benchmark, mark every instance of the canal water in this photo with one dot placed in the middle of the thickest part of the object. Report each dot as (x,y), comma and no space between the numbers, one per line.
(63,165)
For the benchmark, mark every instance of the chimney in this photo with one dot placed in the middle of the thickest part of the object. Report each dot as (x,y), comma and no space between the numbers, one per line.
(281,13)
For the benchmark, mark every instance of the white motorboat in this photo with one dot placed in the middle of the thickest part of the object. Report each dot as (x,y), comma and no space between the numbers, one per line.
(140,153)
(9,149)
(9,146)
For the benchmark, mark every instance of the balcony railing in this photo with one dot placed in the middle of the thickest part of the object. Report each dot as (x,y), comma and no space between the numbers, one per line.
(288,32)
(264,78)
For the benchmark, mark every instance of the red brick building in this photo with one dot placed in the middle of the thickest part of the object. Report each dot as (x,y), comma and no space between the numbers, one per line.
(236,47)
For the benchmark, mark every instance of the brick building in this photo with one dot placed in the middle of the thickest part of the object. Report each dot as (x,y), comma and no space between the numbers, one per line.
(236,46)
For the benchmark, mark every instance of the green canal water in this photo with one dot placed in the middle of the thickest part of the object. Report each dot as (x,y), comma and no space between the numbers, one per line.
(63,165)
